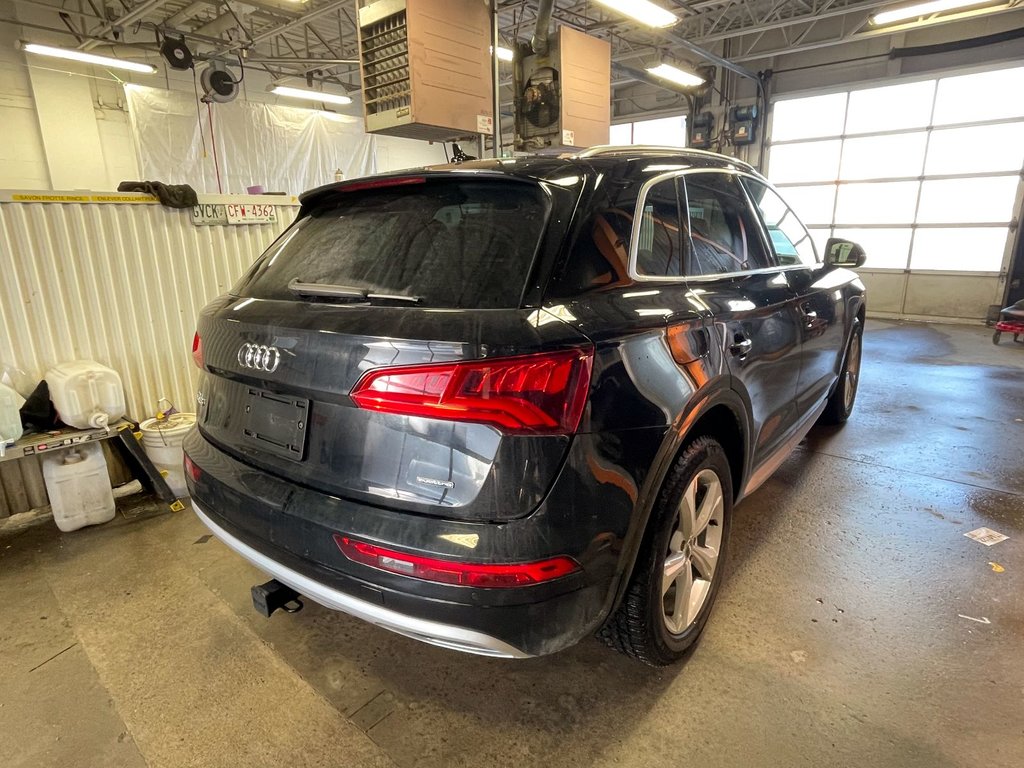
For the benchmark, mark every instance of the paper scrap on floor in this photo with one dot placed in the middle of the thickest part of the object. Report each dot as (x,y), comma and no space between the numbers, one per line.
(986,536)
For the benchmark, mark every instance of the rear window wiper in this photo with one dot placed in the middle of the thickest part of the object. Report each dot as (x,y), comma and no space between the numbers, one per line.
(345,292)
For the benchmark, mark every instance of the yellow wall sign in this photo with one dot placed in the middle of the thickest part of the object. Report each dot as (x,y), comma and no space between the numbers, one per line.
(23,197)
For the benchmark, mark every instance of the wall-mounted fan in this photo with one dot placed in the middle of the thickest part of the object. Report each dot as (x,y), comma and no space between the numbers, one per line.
(540,100)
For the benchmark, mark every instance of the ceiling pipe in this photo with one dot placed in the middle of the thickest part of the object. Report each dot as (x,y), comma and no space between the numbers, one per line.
(132,16)
(714,58)
(311,61)
(58,31)
(540,41)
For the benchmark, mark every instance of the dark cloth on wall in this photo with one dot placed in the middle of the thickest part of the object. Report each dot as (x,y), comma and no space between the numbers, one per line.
(171,195)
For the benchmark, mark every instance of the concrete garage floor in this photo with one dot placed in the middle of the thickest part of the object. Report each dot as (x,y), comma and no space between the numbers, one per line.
(840,637)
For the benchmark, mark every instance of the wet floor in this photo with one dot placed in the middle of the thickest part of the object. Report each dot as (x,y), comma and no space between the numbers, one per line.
(858,626)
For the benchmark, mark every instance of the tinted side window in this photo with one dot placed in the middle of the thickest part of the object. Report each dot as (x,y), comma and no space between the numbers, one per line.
(789,238)
(659,242)
(725,233)
(600,253)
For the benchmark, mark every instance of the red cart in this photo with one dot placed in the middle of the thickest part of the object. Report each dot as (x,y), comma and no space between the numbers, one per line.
(1011,320)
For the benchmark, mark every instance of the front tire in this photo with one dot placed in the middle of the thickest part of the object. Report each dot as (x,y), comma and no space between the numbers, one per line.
(840,402)
(681,562)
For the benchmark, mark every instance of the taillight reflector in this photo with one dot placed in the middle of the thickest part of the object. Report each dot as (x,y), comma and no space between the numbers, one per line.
(192,470)
(450,572)
(531,394)
(197,350)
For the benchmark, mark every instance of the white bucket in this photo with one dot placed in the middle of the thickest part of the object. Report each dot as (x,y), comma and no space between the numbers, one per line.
(162,442)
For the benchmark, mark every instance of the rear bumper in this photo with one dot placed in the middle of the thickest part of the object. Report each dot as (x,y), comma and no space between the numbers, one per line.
(433,632)
(286,530)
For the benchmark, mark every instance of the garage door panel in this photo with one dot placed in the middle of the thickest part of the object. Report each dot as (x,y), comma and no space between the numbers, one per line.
(884,157)
(809,117)
(977,149)
(805,162)
(968,201)
(885,248)
(893,107)
(813,204)
(964,296)
(890,202)
(884,290)
(968,249)
(980,96)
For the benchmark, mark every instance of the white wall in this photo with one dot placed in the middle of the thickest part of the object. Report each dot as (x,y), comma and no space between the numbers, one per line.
(22,158)
(395,154)
(71,131)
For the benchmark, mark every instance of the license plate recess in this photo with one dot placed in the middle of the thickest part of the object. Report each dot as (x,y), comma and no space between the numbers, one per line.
(277,423)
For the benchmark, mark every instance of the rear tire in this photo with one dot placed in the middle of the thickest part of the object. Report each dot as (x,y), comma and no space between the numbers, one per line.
(840,402)
(996,337)
(681,562)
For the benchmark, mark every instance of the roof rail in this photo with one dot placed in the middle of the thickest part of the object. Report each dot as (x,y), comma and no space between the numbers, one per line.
(652,149)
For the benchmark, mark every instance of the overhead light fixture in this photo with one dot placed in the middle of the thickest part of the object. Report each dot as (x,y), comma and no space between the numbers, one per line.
(504,54)
(643,11)
(302,93)
(676,75)
(87,58)
(923,9)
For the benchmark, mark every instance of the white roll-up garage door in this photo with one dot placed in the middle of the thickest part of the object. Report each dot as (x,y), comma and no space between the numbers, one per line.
(925,174)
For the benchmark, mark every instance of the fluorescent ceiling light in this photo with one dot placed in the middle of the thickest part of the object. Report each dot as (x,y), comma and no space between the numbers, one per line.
(923,9)
(643,11)
(88,58)
(676,75)
(504,54)
(302,93)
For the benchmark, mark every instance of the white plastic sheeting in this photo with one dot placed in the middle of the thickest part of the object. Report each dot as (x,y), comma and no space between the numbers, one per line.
(282,149)
(119,282)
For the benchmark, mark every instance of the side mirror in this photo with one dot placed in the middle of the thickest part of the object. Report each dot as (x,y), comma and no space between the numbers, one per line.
(844,253)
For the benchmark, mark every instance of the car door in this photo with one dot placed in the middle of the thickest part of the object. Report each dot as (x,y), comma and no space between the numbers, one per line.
(753,306)
(819,298)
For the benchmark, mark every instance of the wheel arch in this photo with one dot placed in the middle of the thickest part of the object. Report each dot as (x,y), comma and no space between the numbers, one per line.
(722,416)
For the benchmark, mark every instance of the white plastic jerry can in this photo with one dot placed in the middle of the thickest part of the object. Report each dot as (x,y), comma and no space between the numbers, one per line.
(79,487)
(86,394)
(10,416)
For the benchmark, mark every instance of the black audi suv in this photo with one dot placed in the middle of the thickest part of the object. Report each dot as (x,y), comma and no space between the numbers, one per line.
(502,405)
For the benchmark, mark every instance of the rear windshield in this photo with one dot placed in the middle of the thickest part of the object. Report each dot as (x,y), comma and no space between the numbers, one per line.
(451,243)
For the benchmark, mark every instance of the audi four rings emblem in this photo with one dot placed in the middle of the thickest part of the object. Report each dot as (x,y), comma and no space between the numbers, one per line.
(259,357)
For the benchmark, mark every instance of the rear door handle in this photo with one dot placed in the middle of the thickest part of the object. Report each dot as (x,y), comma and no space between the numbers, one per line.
(741,347)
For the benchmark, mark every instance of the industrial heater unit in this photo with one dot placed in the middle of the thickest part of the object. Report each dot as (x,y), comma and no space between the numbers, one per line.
(426,68)
(563,92)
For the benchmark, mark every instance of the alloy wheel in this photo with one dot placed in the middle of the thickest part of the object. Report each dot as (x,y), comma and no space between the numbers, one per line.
(693,551)
(852,372)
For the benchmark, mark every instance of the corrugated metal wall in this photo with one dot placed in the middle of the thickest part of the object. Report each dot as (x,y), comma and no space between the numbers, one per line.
(118,282)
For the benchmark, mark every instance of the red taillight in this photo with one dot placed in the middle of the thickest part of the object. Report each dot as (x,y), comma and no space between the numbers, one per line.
(532,394)
(192,470)
(450,572)
(197,350)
